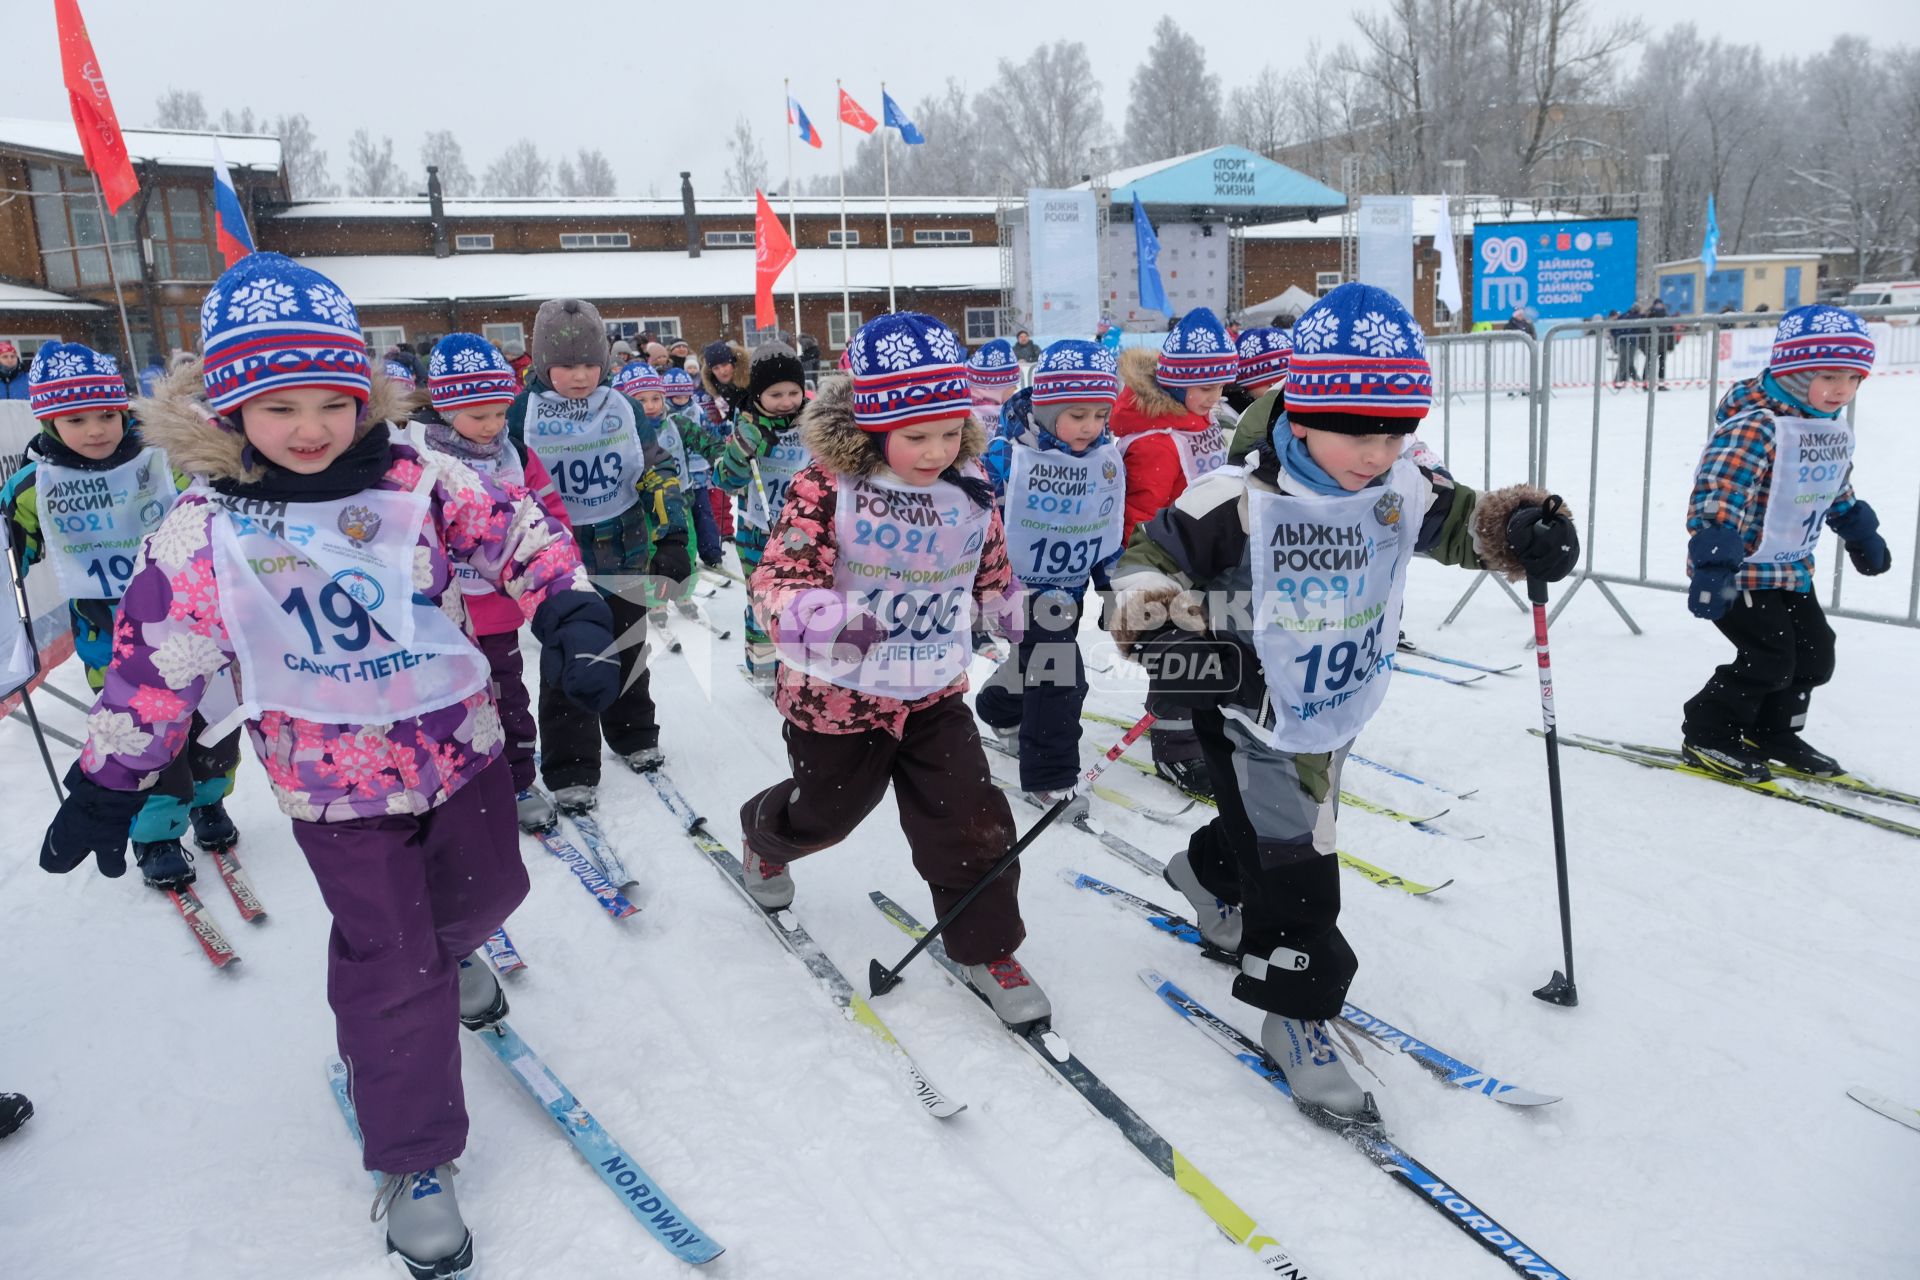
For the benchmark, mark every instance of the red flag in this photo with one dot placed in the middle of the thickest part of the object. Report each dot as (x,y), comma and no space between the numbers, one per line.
(853,114)
(93,118)
(772,251)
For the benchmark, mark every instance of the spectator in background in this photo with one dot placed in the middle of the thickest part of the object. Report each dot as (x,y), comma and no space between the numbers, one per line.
(1664,339)
(680,355)
(13,373)
(1521,321)
(1025,349)
(622,353)
(152,374)
(517,356)
(657,355)
(1283,320)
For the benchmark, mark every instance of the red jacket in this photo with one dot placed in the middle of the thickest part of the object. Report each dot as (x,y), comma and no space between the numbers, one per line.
(1155,476)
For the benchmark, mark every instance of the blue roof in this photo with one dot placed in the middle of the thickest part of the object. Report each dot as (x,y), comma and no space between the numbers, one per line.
(1228,181)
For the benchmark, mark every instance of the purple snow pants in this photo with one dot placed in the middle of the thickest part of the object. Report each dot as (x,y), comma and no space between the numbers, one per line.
(410,896)
(516,708)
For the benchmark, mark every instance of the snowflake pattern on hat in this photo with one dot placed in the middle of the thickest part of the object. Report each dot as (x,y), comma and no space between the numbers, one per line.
(1075,371)
(1265,353)
(69,377)
(1358,351)
(906,369)
(465,371)
(270,324)
(1821,337)
(993,365)
(1197,352)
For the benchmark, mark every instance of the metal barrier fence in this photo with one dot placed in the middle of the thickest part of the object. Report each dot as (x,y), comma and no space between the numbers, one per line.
(1614,413)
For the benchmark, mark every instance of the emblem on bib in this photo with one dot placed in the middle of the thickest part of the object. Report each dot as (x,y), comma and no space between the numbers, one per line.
(1387,509)
(1108,471)
(360,524)
(361,585)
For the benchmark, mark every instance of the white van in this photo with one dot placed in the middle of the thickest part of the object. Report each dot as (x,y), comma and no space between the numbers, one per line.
(1888,293)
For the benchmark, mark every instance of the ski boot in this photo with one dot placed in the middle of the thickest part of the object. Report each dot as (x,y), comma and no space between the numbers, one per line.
(1791,752)
(165,864)
(577,799)
(424,1227)
(1219,921)
(765,679)
(687,609)
(1190,776)
(212,828)
(535,811)
(482,1001)
(1005,741)
(15,1111)
(1076,803)
(1016,997)
(769,883)
(1321,1084)
(1736,764)
(645,760)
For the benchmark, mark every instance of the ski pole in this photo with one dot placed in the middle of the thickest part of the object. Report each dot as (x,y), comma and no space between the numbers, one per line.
(882,979)
(1560,988)
(17,579)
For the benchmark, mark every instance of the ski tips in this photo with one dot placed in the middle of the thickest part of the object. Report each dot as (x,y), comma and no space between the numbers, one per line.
(1559,990)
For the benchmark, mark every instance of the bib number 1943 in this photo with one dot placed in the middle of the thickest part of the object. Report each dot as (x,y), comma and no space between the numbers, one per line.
(578,476)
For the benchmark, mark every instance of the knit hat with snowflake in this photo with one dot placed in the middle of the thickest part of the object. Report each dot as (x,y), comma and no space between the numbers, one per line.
(993,365)
(1075,371)
(1817,337)
(270,324)
(465,372)
(398,371)
(906,369)
(1359,365)
(67,377)
(1264,356)
(679,384)
(636,378)
(1197,353)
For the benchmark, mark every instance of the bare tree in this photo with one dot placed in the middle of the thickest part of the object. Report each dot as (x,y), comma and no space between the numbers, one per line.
(440,149)
(301,156)
(243,121)
(1045,115)
(181,109)
(371,170)
(520,171)
(1553,56)
(746,162)
(1174,104)
(1259,114)
(591,175)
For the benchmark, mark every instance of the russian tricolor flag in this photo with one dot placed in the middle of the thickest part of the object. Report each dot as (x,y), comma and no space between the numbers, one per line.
(796,115)
(230,222)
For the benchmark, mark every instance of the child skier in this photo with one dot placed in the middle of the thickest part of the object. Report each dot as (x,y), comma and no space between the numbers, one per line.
(1264,355)
(89,494)
(1323,526)
(316,555)
(1779,464)
(470,385)
(1064,486)
(759,462)
(681,434)
(993,375)
(1164,423)
(874,669)
(680,389)
(622,493)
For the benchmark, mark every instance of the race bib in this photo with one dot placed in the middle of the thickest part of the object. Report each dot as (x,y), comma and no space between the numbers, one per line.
(777,470)
(1328,574)
(322,613)
(93,522)
(505,467)
(1064,514)
(591,448)
(1812,458)
(906,556)
(1200,451)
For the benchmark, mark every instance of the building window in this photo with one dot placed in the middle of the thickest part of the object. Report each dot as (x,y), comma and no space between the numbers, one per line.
(28,343)
(728,239)
(504,336)
(73,242)
(752,335)
(838,237)
(181,229)
(381,337)
(899,234)
(1325,280)
(478,243)
(665,328)
(1759,273)
(941,235)
(841,324)
(594,240)
(987,323)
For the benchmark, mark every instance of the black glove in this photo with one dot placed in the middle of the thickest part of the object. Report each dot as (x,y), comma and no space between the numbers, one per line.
(1859,529)
(575,629)
(92,820)
(1717,553)
(671,561)
(1197,669)
(1543,539)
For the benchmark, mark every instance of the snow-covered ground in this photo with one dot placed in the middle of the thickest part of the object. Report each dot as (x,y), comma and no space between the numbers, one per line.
(1741,962)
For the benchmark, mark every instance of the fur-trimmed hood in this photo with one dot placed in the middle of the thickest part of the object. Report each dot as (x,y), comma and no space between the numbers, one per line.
(828,430)
(176,418)
(1144,404)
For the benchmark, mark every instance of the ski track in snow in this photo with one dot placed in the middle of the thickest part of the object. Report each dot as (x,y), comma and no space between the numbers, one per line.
(1741,962)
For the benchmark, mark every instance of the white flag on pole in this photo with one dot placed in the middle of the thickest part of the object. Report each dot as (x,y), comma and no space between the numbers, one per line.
(1446,286)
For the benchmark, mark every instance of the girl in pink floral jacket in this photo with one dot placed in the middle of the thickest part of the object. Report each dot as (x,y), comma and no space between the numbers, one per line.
(888,546)
(307,575)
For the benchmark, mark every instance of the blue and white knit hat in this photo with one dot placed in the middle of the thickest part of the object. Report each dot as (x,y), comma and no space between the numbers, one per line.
(1265,354)
(1198,353)
(907,369)
(465,370)
(993,365)
(269,324)
(678,384)
(1357,351)
(68,377)
(636,377)
(1075,371)
(1820,337)
(398,371)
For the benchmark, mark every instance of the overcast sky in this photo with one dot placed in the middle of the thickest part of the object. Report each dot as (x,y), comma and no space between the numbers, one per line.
(657,86)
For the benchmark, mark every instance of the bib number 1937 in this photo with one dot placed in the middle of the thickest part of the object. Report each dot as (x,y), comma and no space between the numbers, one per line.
(1059,557)
(1345,662)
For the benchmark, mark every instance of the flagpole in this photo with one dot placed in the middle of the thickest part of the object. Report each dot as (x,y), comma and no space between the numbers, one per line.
(793,233)
(106,236)
(840,131)
(886,182)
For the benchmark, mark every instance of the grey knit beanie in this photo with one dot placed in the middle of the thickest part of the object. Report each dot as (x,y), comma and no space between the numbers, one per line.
(568,331)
